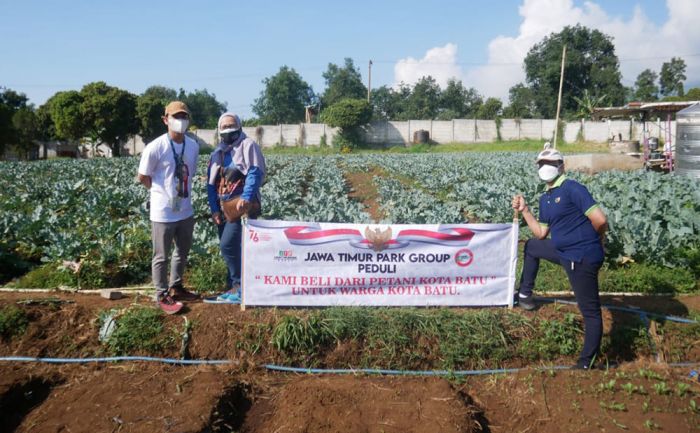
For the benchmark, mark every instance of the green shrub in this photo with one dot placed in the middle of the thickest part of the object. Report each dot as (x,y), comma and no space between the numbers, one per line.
(346,141)
(140,329)
(206,273)
(47,276)
(554,338)
(348,115)
(13,321)
(646,278)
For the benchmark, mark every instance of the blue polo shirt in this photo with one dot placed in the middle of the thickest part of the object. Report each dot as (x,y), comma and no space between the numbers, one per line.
(564,208)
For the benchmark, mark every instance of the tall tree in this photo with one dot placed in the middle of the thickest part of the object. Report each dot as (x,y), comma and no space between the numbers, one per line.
(47,130)
(205,109)
(150,106)
(109,114)
(19,124)
(64,108)
(591,64)
(7,110)
(521,103)
(645,88)
(342,83)
(490,109)
(672,77)
(161,93)
(457,101)
(284,98)
(390,104)
(424,101)
(693,94)
(26,125)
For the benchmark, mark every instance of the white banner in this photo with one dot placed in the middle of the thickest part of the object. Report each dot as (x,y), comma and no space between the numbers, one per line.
(320,264)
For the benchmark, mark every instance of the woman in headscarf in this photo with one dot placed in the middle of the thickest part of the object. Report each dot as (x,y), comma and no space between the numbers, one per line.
(235,173)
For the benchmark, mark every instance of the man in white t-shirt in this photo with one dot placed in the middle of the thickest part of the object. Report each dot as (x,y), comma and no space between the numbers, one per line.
(167,168)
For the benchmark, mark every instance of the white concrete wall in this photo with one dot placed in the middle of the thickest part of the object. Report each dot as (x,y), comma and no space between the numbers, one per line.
(376,133)
(442,131)
(510,129)
(571,131)
(313,133)
(398,132)
(596,131)
(290,135)
(548,127)
(464,130)
(401,133)
(617,128)
(531,129)
(486,131)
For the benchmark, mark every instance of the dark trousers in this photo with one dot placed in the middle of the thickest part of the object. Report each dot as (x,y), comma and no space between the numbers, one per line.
(230,243)
(583,277)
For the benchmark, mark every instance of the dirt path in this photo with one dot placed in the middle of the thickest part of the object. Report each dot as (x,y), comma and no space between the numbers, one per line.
(363,189)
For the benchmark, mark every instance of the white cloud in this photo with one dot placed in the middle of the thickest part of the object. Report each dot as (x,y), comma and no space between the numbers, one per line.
(439,62)
(639,44)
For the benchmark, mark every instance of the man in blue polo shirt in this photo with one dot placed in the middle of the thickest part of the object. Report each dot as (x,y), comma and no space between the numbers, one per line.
(577,225)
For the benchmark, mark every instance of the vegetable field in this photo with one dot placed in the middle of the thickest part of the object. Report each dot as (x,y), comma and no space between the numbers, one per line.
(84,224)
(93,211)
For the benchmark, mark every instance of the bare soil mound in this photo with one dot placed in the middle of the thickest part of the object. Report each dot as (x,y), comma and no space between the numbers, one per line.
(366,404)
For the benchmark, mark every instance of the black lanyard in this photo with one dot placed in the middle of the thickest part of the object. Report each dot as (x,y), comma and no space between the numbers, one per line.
(182,154)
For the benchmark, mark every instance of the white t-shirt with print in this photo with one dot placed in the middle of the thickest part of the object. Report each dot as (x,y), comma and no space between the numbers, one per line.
(158,162)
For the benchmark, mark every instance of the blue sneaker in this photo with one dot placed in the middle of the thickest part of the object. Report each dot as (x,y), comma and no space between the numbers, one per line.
(232,296)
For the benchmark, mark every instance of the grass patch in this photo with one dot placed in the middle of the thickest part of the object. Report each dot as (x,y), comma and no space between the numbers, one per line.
(647,278)
(138,330)
(47,276)
(407,338)
(630,278)
(503,146)
(554,338)
(298,150)
(13,321)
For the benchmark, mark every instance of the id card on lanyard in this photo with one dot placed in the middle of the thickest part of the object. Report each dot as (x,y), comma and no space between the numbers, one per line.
(182,175)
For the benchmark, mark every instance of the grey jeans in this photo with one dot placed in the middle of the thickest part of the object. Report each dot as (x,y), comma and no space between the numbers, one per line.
(163,235)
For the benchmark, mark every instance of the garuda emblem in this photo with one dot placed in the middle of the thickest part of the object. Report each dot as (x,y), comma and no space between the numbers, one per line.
(378,238)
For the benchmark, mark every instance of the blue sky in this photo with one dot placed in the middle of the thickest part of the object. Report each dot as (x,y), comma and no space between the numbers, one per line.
(230,47)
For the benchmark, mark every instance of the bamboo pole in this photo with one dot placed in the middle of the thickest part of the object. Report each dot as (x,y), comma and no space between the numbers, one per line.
(561,83)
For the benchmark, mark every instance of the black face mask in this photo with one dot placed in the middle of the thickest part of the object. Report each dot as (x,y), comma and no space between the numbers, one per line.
(230,137)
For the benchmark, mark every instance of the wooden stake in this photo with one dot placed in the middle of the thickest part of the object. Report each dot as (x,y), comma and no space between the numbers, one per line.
(369,80)
(561,83)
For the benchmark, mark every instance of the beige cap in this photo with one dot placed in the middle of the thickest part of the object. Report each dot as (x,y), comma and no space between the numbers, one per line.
(176,107)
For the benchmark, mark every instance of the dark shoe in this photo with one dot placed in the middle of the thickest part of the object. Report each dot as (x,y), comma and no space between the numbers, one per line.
(167,303)
(179,293)
(526,303)
(583,365)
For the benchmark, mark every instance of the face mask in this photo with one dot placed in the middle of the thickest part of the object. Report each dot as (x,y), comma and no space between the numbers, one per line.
(178,126)
(229,137)
(548,173)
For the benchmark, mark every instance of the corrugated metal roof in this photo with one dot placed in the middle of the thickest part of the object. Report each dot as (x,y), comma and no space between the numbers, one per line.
(634,108)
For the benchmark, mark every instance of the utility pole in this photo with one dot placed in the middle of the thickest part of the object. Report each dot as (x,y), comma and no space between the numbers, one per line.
(369,80)
(561,82)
